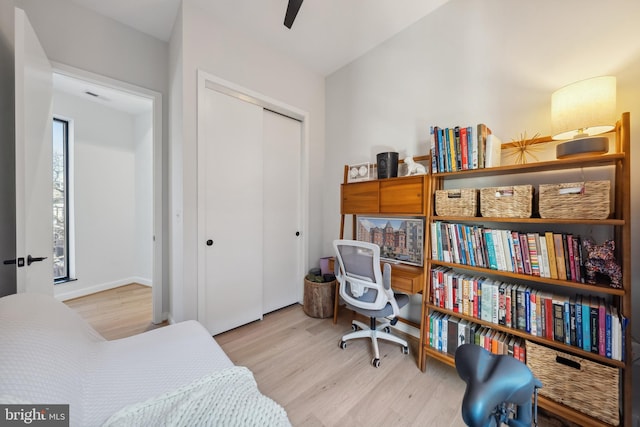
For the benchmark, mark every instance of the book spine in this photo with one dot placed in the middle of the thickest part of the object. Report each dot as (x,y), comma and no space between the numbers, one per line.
(578,311)
(507,244)
(533,254)
(586,324)
(567,322)
(572,265)
(434,240)
(524,245)
(567,260)
(602,328)
(441,151)
(549,317)
(472,142)
(539,318)
(527,309)
(544,256)
(507,305)
(558,320)
(534,313)
(471,250)
(608,334)
(502,304)
(576,259)
(551,255)
(491,252)
(499,250)
(559,248)
(521,322)
(517,252)
(464,148)
(434,154)
(453,162)
(495,303)
(593,315)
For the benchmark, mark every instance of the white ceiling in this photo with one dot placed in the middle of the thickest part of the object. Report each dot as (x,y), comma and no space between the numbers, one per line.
(109,97)
(326,35)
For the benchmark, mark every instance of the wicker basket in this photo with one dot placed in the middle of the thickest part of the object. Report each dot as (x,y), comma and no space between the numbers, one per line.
(581,384)
(463,202)
(575,200)
(506,202)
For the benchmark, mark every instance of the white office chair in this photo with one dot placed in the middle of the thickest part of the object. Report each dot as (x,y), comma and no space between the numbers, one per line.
(366,290)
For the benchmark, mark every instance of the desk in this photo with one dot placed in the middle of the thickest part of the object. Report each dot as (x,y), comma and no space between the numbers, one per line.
(407,279)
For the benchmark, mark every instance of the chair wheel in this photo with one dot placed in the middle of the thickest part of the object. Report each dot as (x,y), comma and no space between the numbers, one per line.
(405,349)
(387,329)
(354,327)
(375,363)
(342,344)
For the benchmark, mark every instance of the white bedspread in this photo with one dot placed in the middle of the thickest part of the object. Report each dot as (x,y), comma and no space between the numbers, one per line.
(228,397)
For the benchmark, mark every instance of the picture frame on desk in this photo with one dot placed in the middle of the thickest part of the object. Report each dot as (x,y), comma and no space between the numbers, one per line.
(361,172)
(401,239)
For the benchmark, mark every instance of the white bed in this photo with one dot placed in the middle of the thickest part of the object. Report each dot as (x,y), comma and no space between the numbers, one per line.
(50,355)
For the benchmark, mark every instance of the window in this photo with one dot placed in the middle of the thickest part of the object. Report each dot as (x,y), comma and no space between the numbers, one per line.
(60,200)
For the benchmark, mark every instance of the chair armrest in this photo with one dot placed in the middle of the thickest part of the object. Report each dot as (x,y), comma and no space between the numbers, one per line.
(386,276)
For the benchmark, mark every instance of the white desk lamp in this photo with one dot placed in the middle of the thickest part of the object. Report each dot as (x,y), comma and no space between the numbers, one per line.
(581,110)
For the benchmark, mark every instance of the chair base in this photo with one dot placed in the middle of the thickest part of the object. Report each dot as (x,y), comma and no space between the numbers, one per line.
(374,332)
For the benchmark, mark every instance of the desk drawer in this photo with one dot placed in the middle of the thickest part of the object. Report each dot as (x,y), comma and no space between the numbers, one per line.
(407,281)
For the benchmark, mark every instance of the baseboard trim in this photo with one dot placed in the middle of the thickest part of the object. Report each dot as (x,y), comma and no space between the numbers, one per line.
(64,295)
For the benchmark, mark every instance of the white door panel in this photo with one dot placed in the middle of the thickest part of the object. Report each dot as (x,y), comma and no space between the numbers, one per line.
(34,180)
(233,205)
(281,184)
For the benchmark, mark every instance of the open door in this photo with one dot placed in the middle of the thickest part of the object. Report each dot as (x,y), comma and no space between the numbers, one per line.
(34,175)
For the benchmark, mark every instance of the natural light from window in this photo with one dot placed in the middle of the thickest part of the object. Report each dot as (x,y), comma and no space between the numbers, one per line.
(60,200)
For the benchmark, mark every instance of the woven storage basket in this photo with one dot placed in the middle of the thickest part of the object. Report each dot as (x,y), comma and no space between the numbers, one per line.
(507,202)
(575,200)
(463,202)
(581,384)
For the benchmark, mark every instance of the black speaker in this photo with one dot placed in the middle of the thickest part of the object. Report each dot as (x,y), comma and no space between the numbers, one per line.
(387,165)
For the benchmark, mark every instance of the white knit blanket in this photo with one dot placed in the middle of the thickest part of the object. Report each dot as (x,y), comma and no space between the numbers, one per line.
(229,397)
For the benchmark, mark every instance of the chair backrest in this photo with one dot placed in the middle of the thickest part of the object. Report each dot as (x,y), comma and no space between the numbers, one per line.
(362,283)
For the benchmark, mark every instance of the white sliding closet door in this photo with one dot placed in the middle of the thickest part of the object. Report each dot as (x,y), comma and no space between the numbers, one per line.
(281,184)
(233,204)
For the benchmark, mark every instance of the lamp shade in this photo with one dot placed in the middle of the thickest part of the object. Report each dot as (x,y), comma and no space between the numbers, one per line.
(584,108)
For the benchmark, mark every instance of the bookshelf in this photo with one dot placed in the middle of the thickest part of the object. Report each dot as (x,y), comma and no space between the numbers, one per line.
(617,225)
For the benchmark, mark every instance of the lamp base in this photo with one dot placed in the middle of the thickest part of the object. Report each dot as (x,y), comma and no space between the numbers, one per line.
(582,147)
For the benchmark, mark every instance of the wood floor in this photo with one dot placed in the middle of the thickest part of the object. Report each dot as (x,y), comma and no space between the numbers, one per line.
(297,362)
(117,313)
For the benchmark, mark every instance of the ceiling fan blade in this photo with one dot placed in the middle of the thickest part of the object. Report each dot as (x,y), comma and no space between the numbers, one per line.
(292,11)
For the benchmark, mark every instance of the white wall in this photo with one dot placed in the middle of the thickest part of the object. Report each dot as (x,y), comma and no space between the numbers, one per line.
(143,214)
(109,167)
(83,39)
(479,61)
(201,42)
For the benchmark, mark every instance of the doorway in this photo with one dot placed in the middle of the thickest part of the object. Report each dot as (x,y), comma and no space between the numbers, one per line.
(115,182)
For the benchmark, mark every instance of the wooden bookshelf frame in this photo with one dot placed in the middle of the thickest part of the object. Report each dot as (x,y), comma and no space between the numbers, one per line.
(619,221)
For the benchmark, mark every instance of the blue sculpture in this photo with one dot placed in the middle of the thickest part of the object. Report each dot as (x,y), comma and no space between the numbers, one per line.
(493,383)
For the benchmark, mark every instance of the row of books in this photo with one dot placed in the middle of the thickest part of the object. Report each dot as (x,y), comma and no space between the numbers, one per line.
(447,333)
(549,255)
(586,322)
(461,148)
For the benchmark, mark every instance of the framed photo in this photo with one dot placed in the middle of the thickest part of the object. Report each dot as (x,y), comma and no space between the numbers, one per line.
(401,239)
(360,172)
